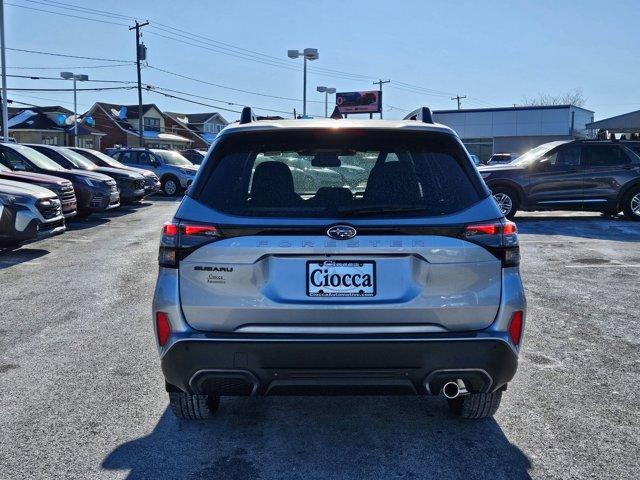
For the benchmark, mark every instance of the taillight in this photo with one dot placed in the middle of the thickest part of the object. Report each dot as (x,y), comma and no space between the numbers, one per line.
(179,239)
(499,237)
(163,328)
(515,328)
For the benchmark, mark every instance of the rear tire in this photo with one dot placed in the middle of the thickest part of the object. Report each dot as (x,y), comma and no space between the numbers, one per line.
(507,201)
(631,204)
(193,407)
(476,405)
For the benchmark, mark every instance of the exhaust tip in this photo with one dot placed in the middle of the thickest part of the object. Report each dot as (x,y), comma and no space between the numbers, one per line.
(451,390)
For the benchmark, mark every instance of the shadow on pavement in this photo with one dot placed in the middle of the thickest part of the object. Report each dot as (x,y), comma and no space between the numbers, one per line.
(324,438)
(10,256)
(83,223)
(595,227)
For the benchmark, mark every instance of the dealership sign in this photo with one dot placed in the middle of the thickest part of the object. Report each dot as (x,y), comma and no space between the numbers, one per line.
(359,102)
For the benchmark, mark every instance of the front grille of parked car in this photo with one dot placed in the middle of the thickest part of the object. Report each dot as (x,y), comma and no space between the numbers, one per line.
(49,208)
(67,194)
(138,184)
(96,200)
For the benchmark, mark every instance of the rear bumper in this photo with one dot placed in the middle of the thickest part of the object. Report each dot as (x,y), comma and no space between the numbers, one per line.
(263,365)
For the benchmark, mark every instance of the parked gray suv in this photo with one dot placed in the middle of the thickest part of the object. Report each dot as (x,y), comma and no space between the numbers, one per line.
(176,173)
(406,283)
(27,212)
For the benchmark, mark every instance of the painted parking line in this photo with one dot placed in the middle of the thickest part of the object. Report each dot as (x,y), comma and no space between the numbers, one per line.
(608,265)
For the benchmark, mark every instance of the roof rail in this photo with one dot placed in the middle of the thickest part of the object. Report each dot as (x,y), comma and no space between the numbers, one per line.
(247,116)
(422,114)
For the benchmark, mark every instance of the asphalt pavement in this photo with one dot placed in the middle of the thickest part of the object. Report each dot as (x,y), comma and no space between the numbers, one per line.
(82,395)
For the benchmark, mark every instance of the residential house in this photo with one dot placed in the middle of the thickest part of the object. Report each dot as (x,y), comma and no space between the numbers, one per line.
(120,123)
(51,125)
(204,126)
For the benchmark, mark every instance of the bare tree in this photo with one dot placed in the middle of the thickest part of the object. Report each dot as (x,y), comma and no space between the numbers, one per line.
(572,97)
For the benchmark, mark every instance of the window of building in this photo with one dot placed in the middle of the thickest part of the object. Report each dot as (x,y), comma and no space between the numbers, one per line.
(49,140)
(152,124)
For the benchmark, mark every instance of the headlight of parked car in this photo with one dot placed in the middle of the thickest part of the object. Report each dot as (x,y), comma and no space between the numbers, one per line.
(7,199)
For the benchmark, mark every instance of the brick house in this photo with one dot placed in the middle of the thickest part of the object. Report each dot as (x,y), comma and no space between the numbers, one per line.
(120,125)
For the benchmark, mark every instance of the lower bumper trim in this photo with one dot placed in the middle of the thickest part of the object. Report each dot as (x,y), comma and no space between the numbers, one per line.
(281,367)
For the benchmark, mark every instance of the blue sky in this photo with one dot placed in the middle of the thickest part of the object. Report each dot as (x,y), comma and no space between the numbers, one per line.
(495,52)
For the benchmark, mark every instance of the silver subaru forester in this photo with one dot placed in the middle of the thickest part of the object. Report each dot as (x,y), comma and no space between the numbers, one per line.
(403,279)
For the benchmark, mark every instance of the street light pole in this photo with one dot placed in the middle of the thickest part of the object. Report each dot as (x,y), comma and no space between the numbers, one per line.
(307,54)
(75,113)
(5,110)
(326,91)
(75,78)
(304,89)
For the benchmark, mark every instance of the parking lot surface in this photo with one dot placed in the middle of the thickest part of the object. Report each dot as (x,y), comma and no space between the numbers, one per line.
(82,396)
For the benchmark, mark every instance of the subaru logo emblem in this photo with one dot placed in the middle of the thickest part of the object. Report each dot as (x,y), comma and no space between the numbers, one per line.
(341,232)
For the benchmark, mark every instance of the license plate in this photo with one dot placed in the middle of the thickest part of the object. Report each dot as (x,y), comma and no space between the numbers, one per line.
(344,278)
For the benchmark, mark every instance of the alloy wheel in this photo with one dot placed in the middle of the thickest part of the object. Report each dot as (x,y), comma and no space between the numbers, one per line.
(170,187)
(635,204)
(504,202)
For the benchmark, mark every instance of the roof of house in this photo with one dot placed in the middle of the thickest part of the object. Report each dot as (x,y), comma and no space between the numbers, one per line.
(518,108)
(113,110)
(194,118)
(32,119)
(626,122)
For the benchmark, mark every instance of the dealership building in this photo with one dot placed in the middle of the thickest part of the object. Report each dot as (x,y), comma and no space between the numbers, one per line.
(485,131)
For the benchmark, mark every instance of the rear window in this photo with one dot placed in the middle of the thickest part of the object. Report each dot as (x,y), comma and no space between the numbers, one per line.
(338,173)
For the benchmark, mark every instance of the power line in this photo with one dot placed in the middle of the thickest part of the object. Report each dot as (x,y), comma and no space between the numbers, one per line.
(32,77)
(71,68)
(96,89)
(229,49)
(227,87)
(38,52)
(218,100)
(91,11)
(66,14)
(192,101)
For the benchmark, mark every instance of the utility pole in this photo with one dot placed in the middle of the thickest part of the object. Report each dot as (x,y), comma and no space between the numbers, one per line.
(140,52)
(458,98)
(379,83)
(5,111)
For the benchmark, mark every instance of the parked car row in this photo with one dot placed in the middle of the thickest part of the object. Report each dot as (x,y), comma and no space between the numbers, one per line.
(43,186)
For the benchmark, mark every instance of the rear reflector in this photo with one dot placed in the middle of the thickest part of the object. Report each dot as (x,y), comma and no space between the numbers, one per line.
(515,328)
(163,328)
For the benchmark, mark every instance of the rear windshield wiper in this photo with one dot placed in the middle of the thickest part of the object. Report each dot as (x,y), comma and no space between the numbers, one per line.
(373,209)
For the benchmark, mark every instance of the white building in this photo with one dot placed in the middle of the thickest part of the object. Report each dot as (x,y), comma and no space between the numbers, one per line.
(485,131)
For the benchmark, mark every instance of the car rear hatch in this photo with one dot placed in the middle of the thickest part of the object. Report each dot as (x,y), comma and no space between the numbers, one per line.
(344,260)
